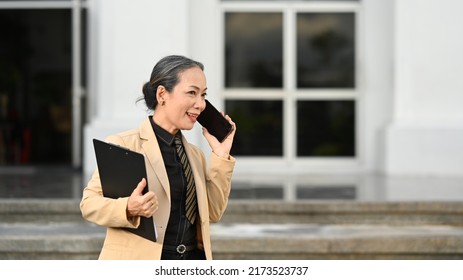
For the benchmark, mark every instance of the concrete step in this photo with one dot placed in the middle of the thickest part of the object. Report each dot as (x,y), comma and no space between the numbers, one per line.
(251,241)
(39,210)
(265,212)
(342,212)
(54,229)
(50,241)
(314,241)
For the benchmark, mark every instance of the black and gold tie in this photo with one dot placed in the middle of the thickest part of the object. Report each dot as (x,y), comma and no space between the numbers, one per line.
(190,203)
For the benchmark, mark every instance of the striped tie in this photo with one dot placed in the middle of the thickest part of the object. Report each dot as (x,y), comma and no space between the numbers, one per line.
(190,204)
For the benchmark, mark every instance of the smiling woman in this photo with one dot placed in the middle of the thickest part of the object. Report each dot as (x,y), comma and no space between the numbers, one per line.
(183,195)
(180,106)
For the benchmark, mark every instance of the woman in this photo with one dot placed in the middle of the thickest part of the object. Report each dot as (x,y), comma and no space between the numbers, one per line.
(176,93)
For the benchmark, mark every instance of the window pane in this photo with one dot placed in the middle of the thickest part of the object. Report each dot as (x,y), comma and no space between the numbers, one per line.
(35,86)
(241,190)
(259,127)
(325,50)
(326,128)
(326,192)
(253,50)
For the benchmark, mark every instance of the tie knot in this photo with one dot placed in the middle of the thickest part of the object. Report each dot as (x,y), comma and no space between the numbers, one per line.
(177,141)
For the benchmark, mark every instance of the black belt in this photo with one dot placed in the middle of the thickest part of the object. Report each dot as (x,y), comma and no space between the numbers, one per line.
(181,249)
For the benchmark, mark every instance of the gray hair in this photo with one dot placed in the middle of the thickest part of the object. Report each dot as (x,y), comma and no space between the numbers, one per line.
(166,73)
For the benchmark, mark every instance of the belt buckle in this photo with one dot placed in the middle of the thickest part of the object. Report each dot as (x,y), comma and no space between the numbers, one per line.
(181,249)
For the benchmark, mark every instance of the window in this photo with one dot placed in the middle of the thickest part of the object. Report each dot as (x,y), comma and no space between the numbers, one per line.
(290,79)
(254,50)
(326,128)
(261,127)
(325,50)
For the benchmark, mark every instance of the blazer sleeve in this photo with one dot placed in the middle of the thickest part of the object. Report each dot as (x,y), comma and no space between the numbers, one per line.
(218,184)
(101,210)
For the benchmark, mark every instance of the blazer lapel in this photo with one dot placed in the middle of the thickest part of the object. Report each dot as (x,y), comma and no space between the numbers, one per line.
(153,154)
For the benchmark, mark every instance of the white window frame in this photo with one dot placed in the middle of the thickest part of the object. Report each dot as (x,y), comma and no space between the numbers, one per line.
(289,163)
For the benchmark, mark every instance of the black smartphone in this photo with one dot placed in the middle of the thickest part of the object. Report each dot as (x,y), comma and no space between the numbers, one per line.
(214,122)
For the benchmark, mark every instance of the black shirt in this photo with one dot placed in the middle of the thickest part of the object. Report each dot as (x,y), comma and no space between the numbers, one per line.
(179,230)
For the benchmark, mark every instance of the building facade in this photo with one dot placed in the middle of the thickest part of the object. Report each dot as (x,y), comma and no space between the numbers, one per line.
(399,101)
(316,87)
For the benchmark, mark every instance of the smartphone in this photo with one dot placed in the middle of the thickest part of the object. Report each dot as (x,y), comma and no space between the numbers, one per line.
(214,122)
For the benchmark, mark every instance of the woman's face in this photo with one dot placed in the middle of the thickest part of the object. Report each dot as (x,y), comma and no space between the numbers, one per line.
(184,104)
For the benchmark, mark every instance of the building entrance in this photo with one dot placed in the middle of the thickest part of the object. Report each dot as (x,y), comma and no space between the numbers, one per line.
(36,87)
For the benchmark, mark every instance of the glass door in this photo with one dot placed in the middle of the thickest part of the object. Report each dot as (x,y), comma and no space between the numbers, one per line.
(41,62)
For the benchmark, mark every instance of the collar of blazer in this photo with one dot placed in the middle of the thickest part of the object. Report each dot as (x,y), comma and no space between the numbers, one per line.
(152,152)
(151,149)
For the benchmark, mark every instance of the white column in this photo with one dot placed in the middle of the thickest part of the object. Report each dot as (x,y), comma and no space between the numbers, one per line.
(375,62)
(426,134)
(129,38)
(206,45)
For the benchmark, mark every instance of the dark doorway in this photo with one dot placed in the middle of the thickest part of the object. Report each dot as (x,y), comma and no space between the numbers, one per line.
(35,87)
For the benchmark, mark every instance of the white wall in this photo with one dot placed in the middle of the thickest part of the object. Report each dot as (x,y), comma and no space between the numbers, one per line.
(409,58)
(131,36)
(426,134)
(375,52)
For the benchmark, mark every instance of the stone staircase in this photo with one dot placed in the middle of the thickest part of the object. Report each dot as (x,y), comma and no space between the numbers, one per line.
(250,229)
(340,230)
(46,229)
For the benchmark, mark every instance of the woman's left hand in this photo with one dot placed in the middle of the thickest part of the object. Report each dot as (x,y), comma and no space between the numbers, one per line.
(221,149)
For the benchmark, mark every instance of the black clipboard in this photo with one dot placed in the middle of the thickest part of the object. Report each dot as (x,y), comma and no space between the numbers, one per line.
(120,171)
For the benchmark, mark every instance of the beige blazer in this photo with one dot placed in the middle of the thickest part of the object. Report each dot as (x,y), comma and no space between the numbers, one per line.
(212,189)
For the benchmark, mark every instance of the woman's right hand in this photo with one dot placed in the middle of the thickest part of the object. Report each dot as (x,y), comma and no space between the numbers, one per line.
(221,149)
(140,204)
